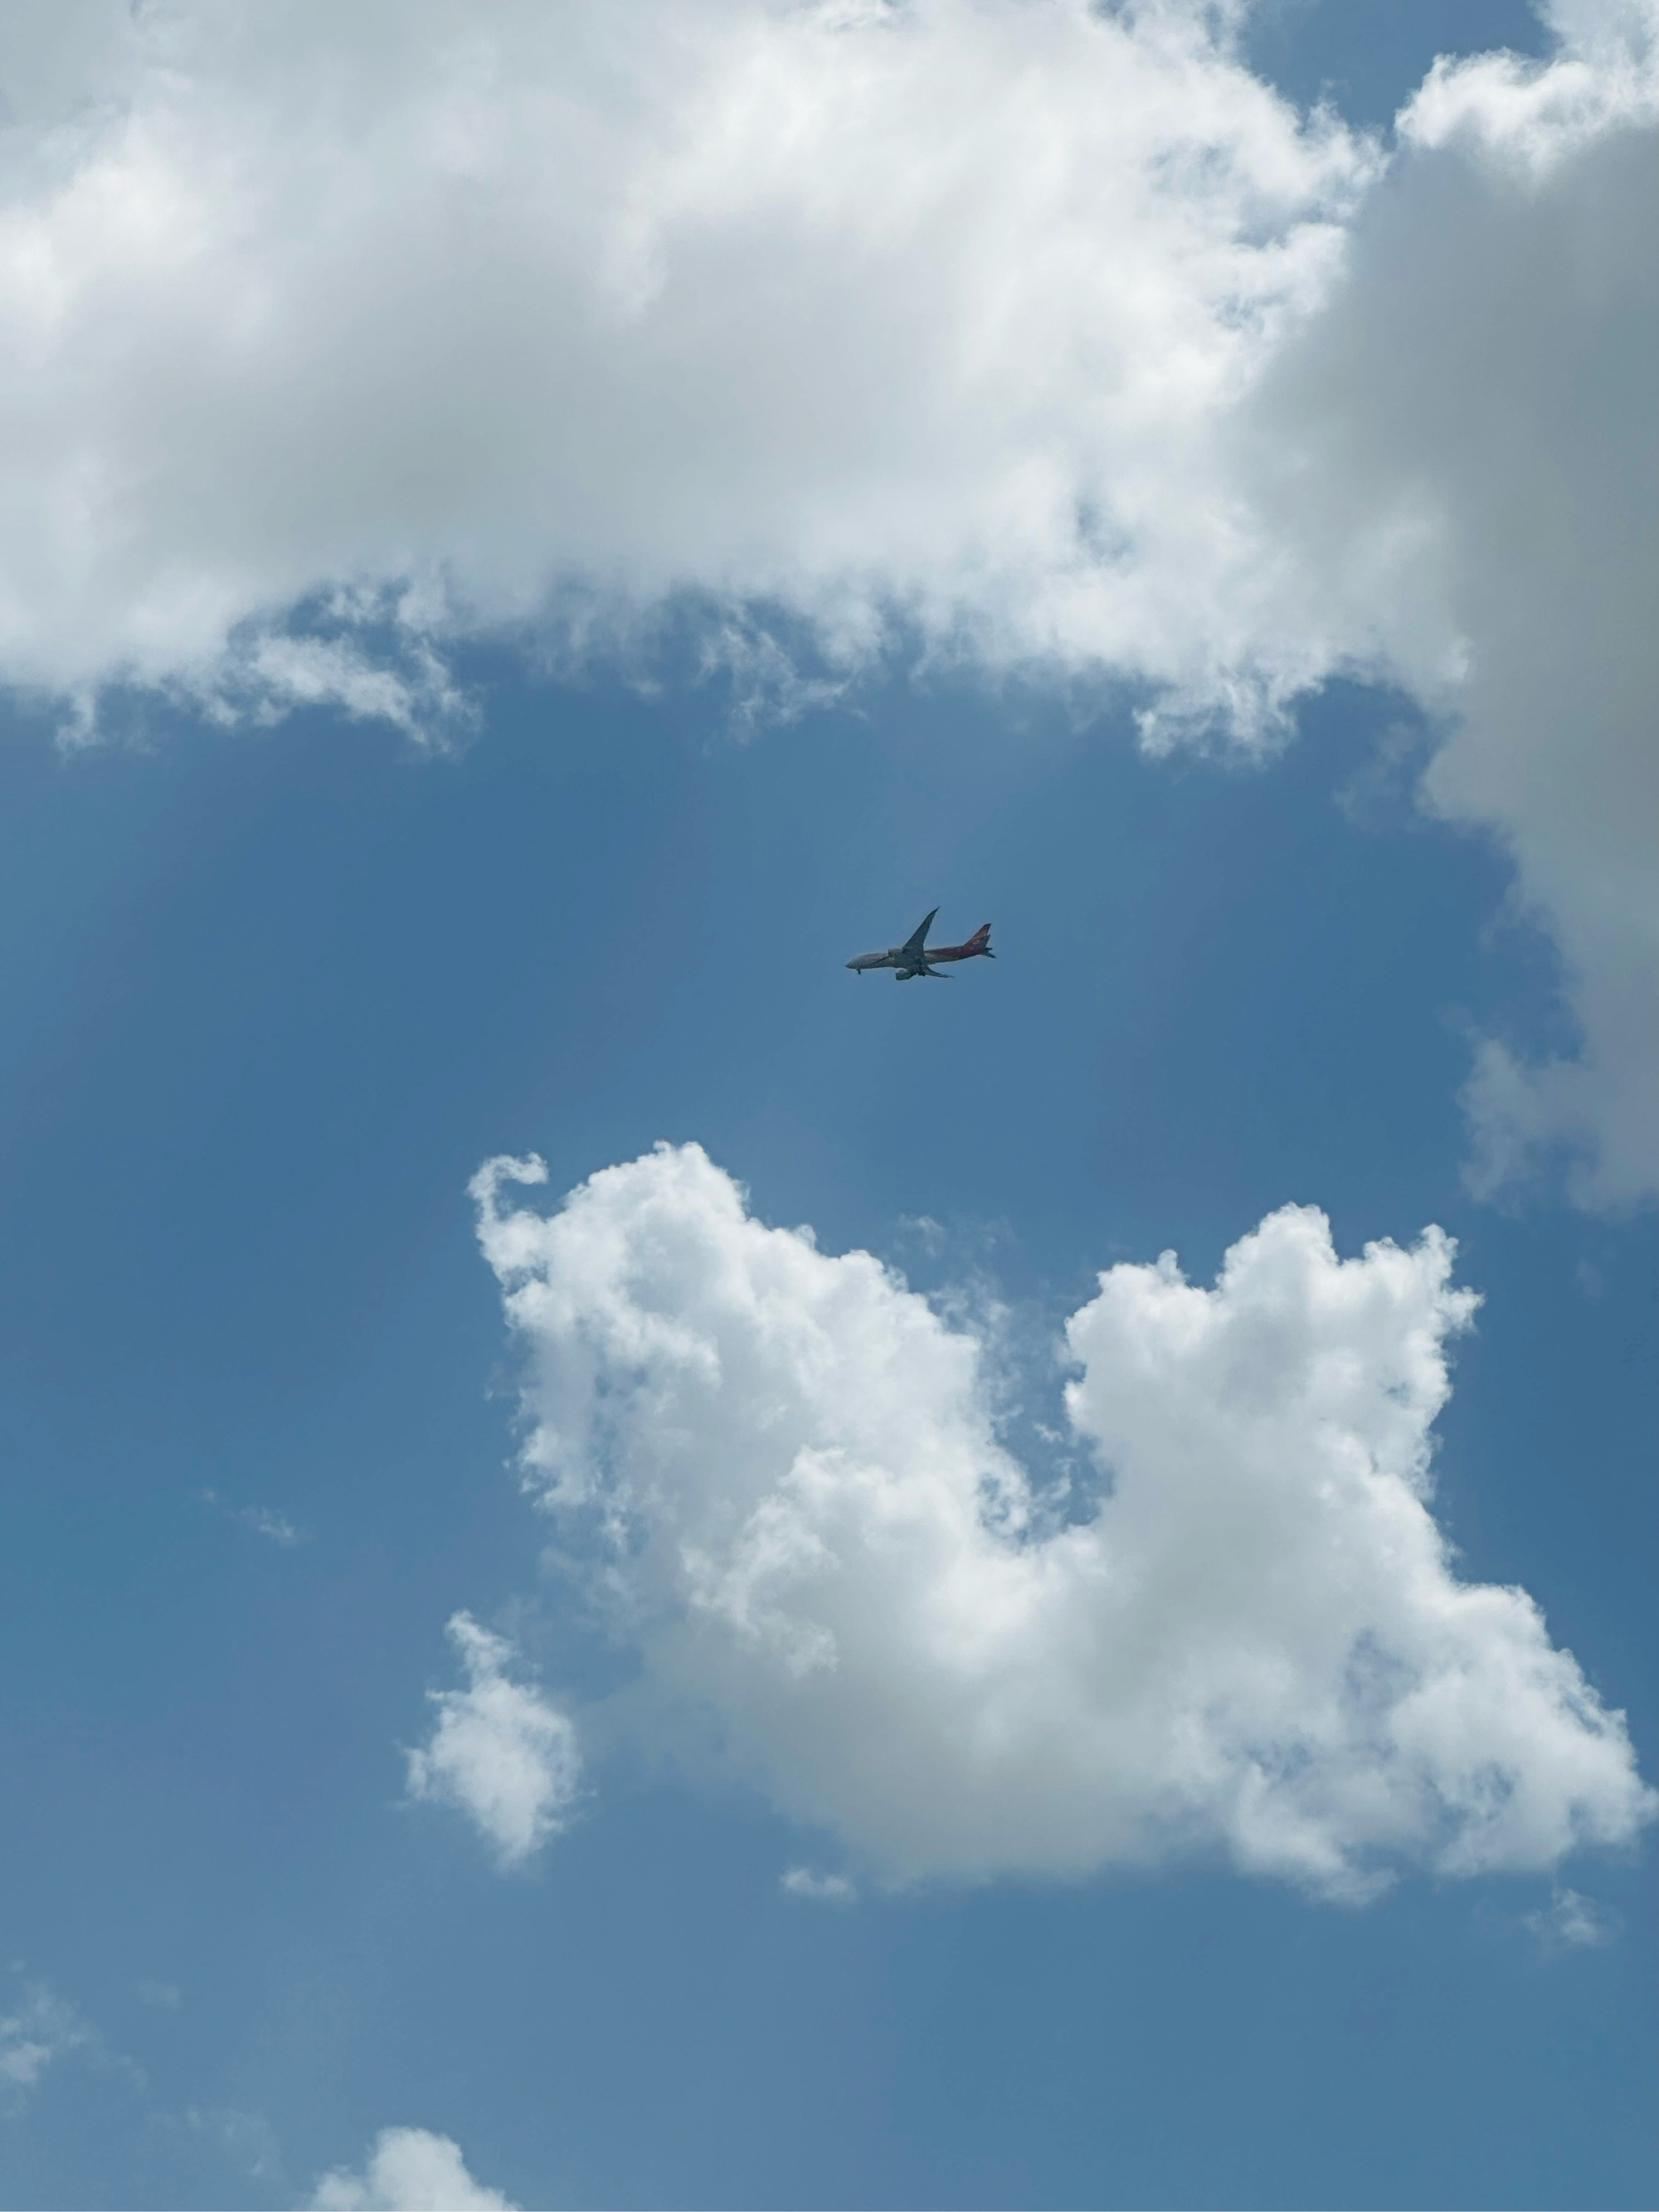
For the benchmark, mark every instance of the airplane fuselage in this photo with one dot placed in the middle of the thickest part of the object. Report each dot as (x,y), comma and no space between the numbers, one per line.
(918,959)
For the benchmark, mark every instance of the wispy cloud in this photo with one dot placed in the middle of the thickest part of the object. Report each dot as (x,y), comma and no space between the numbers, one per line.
(824,1888)
(42,2030)
(1571,1922)
(264,1520)
(247,2139)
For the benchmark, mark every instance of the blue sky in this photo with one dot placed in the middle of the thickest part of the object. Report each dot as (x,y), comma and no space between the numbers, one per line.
(290,946)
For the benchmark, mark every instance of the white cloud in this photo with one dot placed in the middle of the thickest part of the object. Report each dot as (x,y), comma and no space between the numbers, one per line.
(409,2170)
(264,1520)
(42,2030)
(501,1752)
(1571,1922)
(1486,368)
(420,313)
(822,1889)
(840,1585)
(275,1528)
(248,2138)
(1021,330)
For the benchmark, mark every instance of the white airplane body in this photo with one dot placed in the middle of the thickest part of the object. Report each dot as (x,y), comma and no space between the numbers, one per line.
(916,957)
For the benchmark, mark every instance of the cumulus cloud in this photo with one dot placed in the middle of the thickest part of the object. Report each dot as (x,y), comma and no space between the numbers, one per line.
(413,318)
(1484,371)
(839,1584)
(1025,331)
(500,1753)
(409,2170)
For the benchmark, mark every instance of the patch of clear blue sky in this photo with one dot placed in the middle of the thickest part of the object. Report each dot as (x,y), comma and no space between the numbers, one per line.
(265,1005)
(1366,61)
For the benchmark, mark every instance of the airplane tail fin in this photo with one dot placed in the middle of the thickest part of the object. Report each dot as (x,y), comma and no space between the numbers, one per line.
(981,941)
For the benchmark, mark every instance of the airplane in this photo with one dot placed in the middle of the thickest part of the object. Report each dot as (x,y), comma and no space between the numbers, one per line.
(916,957)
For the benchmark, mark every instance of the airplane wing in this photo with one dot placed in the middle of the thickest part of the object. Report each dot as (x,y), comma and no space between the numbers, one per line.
(918,937)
